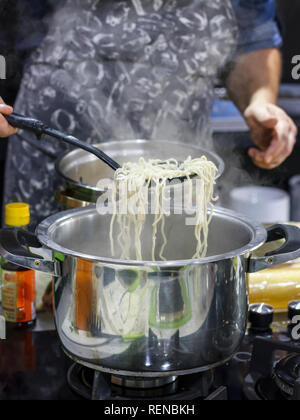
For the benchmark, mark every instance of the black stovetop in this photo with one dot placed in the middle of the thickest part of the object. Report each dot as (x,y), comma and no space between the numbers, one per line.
(33,366)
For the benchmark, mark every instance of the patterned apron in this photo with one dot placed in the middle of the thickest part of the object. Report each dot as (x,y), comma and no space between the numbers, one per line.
(118,70)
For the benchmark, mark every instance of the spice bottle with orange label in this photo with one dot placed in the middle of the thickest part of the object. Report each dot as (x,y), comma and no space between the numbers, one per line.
(18,284)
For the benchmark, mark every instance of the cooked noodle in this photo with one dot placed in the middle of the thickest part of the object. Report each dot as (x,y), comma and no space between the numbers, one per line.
(132,184)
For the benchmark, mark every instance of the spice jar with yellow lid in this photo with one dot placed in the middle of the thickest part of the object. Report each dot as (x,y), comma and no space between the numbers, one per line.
(18,284)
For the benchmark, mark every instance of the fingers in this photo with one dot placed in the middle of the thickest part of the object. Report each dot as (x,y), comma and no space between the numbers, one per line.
(258,158)
(280,147)
(6,109)
(277,151)
(6,130)
(273,132)
(283,143)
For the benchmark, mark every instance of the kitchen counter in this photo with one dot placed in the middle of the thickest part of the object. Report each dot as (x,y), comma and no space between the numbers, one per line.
(33,365)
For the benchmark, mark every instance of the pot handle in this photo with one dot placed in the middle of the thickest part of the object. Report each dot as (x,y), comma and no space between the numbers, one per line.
(289,251)
(27,123)
(12,249)
(41,129)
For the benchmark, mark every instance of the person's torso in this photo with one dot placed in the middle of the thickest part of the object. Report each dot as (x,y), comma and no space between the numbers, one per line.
(142,68)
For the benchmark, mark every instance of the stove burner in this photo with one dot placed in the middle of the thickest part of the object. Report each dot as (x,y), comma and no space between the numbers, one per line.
(143,383)
(287,374)
(267,390)
(80,380)
(270,380)
(94,385)
(133,388)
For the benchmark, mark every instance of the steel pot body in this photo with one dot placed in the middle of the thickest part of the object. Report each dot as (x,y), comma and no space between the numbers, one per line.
(131,322)
(81,171)
(149,318)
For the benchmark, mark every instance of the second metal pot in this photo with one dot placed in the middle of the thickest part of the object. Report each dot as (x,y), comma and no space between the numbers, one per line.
(81,171)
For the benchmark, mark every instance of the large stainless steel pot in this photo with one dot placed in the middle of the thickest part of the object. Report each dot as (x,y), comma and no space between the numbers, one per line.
(81,171)
(149,318)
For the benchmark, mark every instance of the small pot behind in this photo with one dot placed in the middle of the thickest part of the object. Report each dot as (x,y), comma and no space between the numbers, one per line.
(82,171)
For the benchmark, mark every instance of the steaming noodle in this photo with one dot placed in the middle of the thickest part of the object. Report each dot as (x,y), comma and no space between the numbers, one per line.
(132,184)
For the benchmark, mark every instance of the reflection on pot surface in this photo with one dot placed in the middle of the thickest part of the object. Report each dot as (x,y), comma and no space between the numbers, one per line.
(139,319)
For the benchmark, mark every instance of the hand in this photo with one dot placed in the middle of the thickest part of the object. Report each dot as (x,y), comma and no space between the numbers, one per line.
(6,130)
(273,131)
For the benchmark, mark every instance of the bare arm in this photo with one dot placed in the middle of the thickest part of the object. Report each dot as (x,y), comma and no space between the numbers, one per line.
(253,86)
(255,78)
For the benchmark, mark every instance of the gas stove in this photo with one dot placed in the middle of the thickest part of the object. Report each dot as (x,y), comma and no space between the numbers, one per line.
(266,367)
(98,386)
(273,380)
(267,378)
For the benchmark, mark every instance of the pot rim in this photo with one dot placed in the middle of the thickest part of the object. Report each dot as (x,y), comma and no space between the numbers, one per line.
(259,237)
(219,160)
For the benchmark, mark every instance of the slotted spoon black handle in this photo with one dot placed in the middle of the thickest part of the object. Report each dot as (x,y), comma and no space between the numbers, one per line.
(40,129)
